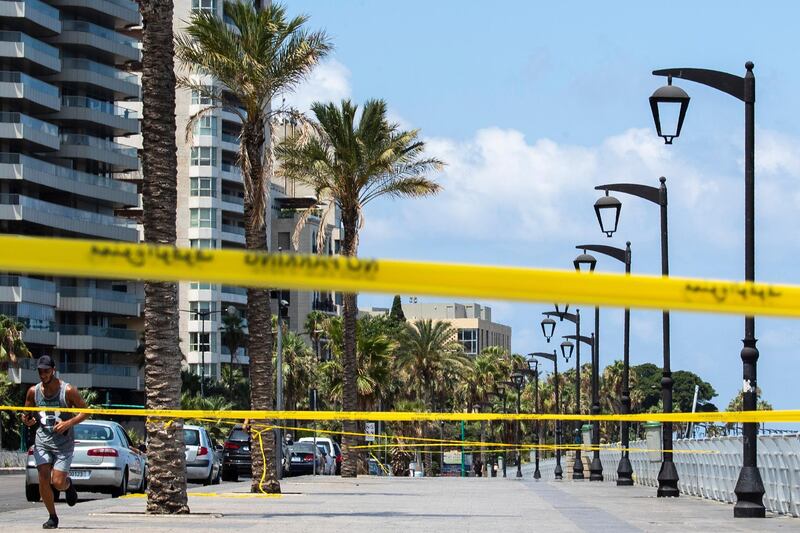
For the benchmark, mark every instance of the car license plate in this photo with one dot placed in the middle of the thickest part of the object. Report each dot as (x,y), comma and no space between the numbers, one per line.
(79,474)
(296,459)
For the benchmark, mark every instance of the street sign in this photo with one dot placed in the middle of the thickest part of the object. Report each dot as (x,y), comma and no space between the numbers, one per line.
(369,429)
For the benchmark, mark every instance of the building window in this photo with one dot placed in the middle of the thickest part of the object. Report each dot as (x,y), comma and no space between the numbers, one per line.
(203,217)
(202,97)
(284,241)
(469,340)
(203,187)
(204,156)
(199,342)
(211,370)
(204,5)
(201,286)
(206,125)
(200,309)
(203,244)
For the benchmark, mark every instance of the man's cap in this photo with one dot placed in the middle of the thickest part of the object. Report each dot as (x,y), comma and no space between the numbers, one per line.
(45,362)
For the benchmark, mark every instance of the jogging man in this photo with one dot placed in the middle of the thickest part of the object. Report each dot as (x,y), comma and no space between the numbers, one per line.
(55,438)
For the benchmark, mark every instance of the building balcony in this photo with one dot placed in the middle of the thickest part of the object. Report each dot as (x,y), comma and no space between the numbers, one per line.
(231,172)
(233,233)
(229,142)
(99,42)
(27,132)
(80,146)
(14,166)
(232,203)
(117,13)
(28,52)
(26,93)
(82,72)
(235,295)
(16,207)
(82,337)
(326,305)
(25,289)
(34,17)
(92,299)
(114,120)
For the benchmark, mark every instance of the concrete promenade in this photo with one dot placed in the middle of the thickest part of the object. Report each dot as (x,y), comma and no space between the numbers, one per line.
(371,504)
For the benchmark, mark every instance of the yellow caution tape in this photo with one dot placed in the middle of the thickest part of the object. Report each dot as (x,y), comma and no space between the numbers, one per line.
(412,416)
(102,259)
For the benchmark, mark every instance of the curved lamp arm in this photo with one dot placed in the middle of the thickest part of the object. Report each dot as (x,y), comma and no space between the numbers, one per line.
(722,81)
(647,192)
(619,254)
(583,338)
(566,316)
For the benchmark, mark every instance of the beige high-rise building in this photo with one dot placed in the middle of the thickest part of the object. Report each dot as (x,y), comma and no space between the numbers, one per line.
(473,325)
(211,215)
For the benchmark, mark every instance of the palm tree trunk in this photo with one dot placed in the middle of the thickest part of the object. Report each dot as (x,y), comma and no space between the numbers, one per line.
(166,493)
(350,457)
(259,313)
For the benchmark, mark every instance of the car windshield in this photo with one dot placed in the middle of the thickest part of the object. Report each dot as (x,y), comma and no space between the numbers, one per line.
(324,446)
(93,432)
(239,434)
(191,437)
(302,447)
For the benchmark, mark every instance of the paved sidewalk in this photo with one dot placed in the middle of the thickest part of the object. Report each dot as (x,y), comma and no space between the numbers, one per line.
(369,504)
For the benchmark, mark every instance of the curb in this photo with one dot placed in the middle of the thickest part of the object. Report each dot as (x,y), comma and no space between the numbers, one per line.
(12,470)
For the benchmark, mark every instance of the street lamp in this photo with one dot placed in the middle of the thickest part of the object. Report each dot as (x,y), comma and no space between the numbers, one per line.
(204,315)
(518,379)
(282,304)
(587,263)
(554,358)
(749,487)
(548,328)
(668,474)
(533,369)
(596,466)
(671,101)
(501,393)
(624,469)
(577,468)
(607,209)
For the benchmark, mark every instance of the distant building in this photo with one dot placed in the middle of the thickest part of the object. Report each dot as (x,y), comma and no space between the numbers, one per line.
(472,322)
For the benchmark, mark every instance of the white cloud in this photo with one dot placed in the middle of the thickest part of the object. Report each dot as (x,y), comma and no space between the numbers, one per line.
(329,81)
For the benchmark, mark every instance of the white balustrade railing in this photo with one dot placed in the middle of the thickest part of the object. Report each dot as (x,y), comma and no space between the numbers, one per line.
(712,470)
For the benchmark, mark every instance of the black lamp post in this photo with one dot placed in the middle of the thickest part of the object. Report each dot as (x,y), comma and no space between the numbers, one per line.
(533,369)
(749,487)
(624,469)
(587,263)
(595,467)
(606,212)
(548,328)
(517,379)
(577,468)
(554,358)
(204,315)
(501,392)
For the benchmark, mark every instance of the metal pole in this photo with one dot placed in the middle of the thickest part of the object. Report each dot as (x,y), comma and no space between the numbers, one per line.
(749,487)
(558,471)
(596,467)
(462,449)
(668,475)
(203,316)
(279,396)
(625,469)
(516,437)
(577,467)
(505,434)
(536,473)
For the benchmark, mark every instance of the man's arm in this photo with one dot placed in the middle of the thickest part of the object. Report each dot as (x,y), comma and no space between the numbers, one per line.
(74,399)
(27,418)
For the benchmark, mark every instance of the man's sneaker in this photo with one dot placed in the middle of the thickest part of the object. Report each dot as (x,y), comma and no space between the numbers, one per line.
(72,495)
(52,523)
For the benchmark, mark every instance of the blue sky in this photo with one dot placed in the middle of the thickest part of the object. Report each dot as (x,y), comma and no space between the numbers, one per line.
(531,104)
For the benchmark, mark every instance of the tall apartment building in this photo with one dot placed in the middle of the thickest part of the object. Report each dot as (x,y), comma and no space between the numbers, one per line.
(211,215)
(63,70)
(473,325)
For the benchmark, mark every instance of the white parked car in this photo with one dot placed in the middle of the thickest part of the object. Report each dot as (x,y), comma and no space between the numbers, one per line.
(203,456)
(105,460)
(332,453)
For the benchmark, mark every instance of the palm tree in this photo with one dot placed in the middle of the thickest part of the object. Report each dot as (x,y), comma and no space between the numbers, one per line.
(234,337)
(313,327)
(166,491)
(352,164)
(262,55)
(12,347)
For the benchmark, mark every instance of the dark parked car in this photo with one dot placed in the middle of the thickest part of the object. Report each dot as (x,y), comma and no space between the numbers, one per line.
(236,459)
(302,456)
